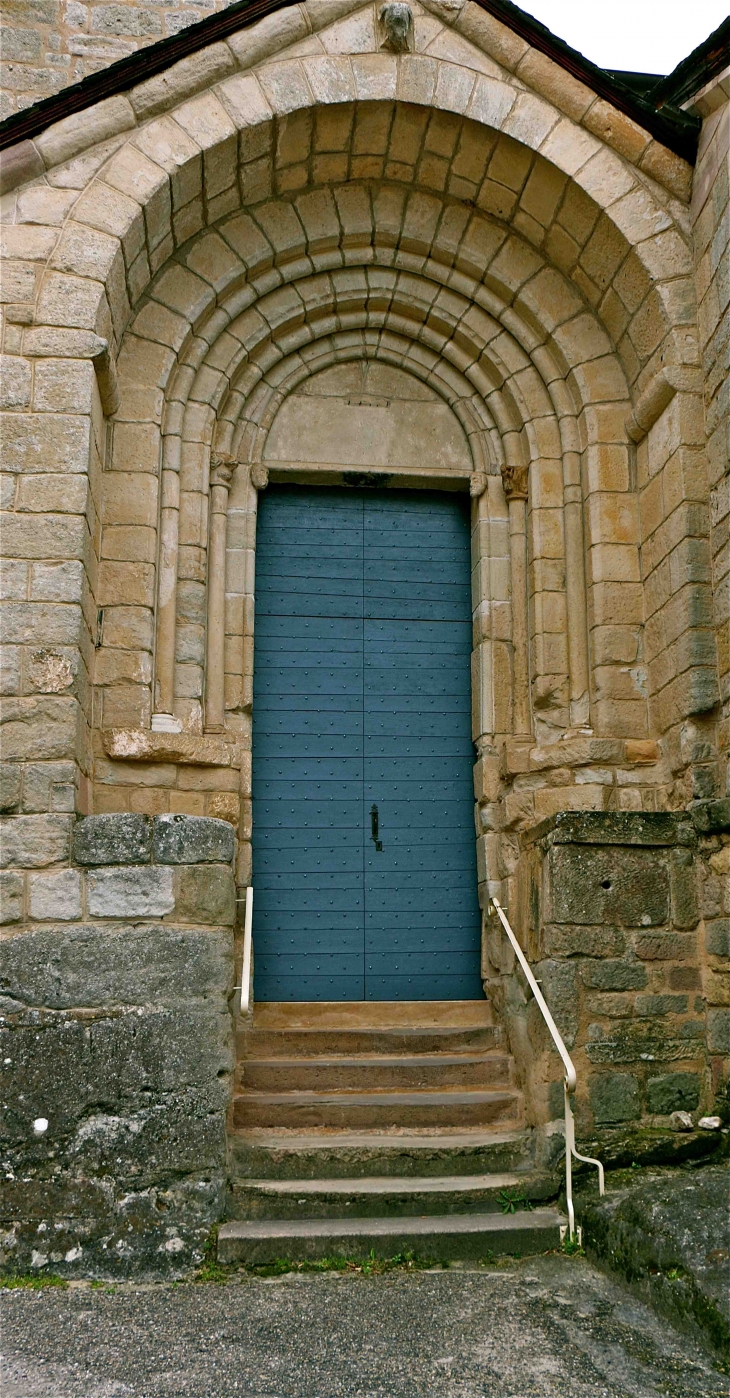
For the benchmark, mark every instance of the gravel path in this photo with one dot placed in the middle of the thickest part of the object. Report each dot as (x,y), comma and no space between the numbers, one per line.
(548,1327)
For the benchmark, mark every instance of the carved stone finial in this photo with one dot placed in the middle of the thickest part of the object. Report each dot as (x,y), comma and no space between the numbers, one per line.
(259,476)
(222,467)
(397,24)
(477,484)
(514,480)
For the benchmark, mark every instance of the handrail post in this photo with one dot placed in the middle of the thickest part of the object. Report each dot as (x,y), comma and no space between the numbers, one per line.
(570,1079)
(247,940)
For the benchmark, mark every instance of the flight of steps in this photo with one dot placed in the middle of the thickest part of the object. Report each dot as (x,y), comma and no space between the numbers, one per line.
(390,1127)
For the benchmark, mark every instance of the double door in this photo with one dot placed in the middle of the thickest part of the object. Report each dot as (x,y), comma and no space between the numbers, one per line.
(363,831)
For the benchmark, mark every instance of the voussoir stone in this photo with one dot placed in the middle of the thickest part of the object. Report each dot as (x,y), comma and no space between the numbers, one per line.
(117,838)
(189,839)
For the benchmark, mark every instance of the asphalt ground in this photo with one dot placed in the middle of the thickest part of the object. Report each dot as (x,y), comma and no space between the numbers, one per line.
(546,1327)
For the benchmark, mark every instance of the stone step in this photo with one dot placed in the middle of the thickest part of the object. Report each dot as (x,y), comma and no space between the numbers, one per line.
(372,1014)
(450,1107)
(443,1238)
(318,1043)
(384,1197)
(368,1072)
(255,1153)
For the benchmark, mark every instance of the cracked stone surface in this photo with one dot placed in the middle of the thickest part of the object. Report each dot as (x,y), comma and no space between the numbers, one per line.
(547,1327)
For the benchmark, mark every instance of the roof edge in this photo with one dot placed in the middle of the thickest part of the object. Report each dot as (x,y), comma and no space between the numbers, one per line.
(671,127)
(696,70)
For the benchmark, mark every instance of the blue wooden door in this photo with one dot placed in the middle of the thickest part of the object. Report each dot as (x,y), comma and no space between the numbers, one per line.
(364,858)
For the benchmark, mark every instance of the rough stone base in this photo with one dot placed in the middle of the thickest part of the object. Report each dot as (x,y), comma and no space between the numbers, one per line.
(120,1039)
(668,1234)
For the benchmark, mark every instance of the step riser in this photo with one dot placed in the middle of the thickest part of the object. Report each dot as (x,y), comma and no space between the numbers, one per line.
(319,1043)
(373,1115)
(249,1159)
(361,1077)
(525,1239)
(247,1203)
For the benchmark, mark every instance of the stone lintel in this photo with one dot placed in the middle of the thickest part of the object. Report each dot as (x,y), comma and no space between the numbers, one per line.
(187,749)
(397,477)
(648,828)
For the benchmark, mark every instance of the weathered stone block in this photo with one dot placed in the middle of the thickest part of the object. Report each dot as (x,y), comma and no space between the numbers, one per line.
(647,829)
(42,728)
(155,1069)
(648,1006)
(35,841)
(685,978)
(9,786)
(717,937)
(55,897)
(644,1041)
(673,1092)
(113,839)
(614,1097)
(685,902)
(187,839)
(591,884)
(130,892)
(559,987)
(614,975)
(711,817)
(718,1031)
(564,939)
(117,1229)
(664,946)
(206,895)
(11,897)
(117,965)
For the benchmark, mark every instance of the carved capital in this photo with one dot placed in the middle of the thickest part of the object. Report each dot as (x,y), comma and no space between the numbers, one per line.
(396,22)
(259,476)
(514,480)
(222,467)
(477,484)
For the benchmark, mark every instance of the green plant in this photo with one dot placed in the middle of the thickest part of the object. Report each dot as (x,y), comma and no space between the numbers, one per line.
(32,1282)
(513,1199)
(571,1247)
(210,1270)
(368,1266)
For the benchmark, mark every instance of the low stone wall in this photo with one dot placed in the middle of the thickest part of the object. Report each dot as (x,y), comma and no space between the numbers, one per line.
(117,1045)
(608,906)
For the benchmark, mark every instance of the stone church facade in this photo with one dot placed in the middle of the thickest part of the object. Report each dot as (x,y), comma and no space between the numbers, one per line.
(349,246)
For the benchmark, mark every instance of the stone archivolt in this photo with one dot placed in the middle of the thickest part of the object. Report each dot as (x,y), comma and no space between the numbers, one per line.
(447,220)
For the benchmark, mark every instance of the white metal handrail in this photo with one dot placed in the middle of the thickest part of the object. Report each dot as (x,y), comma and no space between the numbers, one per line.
(246,965)
(570,1078)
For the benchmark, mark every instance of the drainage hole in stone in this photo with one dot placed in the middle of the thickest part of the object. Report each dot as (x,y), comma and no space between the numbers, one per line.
(605,883)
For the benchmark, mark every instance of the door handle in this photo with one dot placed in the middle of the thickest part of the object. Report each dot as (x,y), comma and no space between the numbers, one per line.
(374,825)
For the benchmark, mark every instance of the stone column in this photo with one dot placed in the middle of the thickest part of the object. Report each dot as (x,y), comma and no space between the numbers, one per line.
(515,488)
(258,480)
(164,695)
(221,474)
(575,589)
(482,697)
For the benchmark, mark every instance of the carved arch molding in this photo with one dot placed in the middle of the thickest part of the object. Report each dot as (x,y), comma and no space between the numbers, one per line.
(457,296)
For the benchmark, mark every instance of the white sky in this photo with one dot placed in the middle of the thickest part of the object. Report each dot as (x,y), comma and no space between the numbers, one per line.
(642,36)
